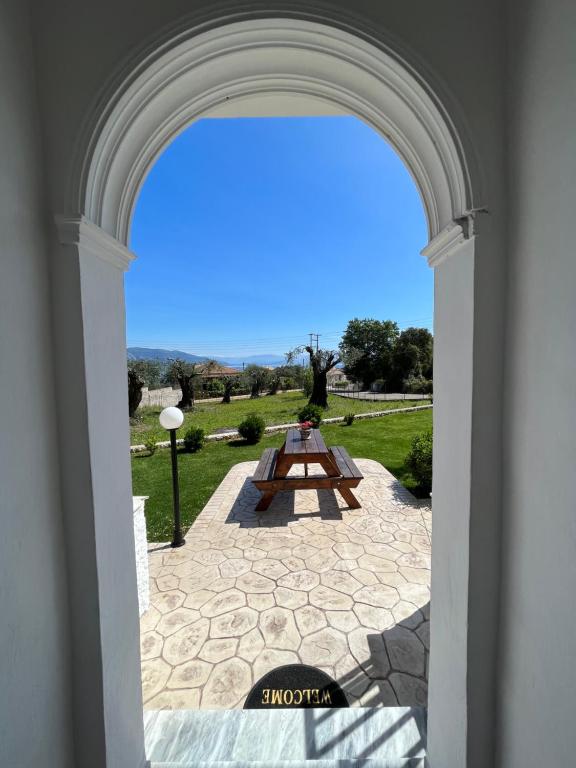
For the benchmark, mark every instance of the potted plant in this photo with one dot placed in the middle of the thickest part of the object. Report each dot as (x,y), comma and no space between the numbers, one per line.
(305,428)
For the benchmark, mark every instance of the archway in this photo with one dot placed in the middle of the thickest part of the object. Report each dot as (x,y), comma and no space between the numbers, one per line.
(291,67)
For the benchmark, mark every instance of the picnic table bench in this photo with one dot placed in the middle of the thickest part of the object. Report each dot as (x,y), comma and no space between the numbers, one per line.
(271,475)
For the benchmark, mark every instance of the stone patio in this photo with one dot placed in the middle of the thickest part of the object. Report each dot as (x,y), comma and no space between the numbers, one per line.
(307,581)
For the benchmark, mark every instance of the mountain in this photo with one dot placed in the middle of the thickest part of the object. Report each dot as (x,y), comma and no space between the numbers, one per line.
(145,353)
(162,355)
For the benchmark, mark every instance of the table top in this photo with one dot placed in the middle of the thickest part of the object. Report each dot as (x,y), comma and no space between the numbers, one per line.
(295,446)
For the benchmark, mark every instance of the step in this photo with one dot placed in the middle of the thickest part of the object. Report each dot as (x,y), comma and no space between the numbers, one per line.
(379,737)
(409,762)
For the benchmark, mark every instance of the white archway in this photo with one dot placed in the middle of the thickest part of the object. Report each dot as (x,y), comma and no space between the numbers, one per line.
(265,66)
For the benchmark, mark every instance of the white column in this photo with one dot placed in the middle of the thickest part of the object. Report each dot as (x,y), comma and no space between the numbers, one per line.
(466,498)
(89,327)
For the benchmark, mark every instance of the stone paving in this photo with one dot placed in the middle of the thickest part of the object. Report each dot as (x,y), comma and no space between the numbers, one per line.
(307,581)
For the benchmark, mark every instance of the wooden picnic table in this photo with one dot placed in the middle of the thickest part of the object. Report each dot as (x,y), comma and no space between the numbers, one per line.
(340,471)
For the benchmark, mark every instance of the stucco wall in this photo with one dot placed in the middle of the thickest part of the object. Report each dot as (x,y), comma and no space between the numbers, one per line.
(538,669)
(34,685)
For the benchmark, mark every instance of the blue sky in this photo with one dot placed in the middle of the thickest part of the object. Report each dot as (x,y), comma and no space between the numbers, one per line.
(250,233)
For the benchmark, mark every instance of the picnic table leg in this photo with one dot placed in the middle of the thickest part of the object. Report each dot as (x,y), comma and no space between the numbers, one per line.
(265,501)
(349,498)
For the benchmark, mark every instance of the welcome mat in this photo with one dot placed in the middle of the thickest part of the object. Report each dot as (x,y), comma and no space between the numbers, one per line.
(296,686)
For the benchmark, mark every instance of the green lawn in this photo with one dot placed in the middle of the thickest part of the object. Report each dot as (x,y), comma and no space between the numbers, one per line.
(385,439)
(277,409)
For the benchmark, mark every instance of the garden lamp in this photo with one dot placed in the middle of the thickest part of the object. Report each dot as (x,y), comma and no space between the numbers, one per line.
(171,418)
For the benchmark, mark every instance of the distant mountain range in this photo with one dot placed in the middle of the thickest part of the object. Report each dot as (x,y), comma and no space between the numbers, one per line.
(163,355)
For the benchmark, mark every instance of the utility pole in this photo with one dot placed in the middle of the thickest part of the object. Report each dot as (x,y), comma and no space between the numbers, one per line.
(312,335)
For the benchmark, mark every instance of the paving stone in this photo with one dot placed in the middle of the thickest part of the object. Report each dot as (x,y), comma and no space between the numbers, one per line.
(407,614)
(348,551)
(255,582)
(372,617)
(300,580)
(185,644)
(410,691)
(250,645)
(329,599)
(364,577)
(270,658)
(150,619)
(228,683)
(155,673)
(378,595)
(423,633)
(260,602)
(294,563)
(345,565)
(234,567)
(197,599)
(218,650)
(191,674)
(233,624)
(416,575)
(405,651)
(279,629)
(376,564)
(150,645)
(326,646)
(209,557)
(341,581)
(370,652)
(350,675)
(169,601)
(254,554)
(166,583)
(187,698)
(323,560)
(172,622)
(309,619)
(343,620)
(223,602)
(418,594)
(222,585)
(290,598)
(273,569)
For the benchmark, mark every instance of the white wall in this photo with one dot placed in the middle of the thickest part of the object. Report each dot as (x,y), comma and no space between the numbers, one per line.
(34,684)
(538,662)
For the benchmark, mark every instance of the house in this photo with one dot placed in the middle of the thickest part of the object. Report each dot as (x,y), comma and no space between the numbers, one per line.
(478,99)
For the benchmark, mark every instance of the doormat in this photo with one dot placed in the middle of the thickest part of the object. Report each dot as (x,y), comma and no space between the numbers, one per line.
(296,686)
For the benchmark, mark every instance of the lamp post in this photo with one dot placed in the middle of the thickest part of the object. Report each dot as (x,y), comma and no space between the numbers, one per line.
(171,418)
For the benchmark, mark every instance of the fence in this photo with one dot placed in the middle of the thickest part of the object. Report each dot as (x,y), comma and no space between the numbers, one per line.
(355,392)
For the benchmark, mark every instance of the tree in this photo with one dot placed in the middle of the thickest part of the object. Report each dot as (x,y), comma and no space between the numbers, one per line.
(135,384)
(258,378)
(183,374)
(413,353)
(230,384)
(367,348)
(321,362)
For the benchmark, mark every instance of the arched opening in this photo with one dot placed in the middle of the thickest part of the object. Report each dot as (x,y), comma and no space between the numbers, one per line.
(314,68)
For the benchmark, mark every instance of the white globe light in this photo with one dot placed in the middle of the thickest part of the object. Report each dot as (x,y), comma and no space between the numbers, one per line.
(171,418)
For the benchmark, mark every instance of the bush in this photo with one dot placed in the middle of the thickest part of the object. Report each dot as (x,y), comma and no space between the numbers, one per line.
(150,445)
(193,439)
(417,385)
(349,418)
(419,460)
(252,428)
(311,413)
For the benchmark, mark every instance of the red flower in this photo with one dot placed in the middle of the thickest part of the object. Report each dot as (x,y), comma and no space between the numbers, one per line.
(306,425)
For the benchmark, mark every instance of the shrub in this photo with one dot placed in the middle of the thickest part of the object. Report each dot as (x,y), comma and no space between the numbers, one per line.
(311,413)
(417,385)
(419,460)
(150,445)
(193,439)
(349,418)
(252,428)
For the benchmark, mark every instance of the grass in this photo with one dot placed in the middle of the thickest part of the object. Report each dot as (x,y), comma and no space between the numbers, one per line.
(386,440)
(276,409)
